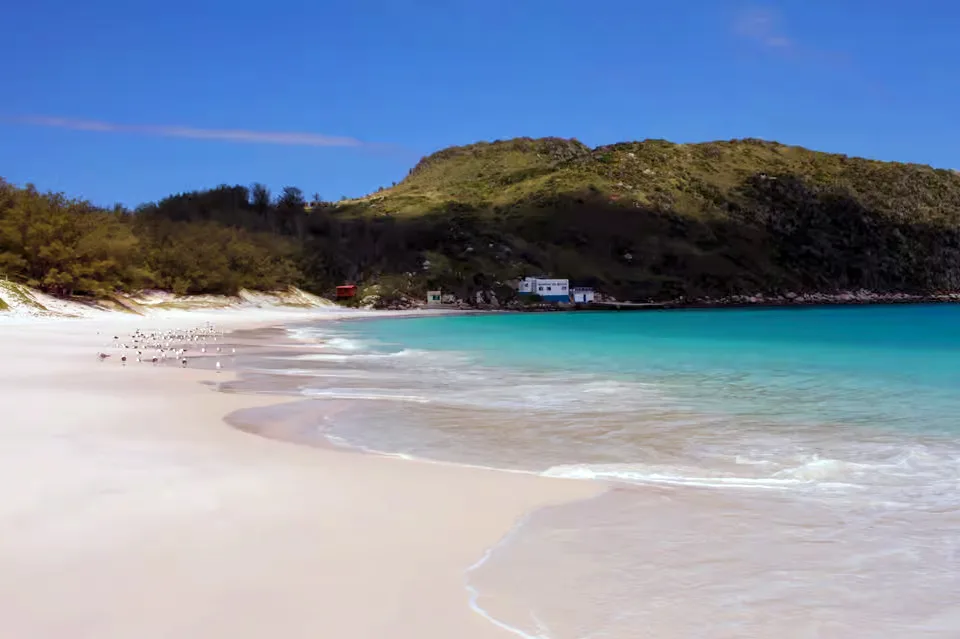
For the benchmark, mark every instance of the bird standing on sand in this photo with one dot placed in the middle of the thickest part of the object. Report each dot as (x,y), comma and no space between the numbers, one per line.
(102,356)
(184,362)
(123,360)
(218,367)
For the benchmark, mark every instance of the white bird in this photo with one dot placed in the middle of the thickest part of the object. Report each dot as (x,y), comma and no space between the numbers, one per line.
(218,367)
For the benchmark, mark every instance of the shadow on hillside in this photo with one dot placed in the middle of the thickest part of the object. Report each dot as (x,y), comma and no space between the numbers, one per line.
(772,234)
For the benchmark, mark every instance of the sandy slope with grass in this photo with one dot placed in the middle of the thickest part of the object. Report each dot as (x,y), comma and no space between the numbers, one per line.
(18,302)
(129,508)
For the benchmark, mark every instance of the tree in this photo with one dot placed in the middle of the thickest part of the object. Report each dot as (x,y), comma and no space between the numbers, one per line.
(260,198)
(291,209)
(291,198)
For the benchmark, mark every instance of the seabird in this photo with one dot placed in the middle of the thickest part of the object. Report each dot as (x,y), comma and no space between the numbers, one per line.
(218,367)
(124,360)
(102,356)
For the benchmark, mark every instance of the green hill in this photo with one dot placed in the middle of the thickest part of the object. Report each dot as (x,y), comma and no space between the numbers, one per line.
(640,220)
(660,220)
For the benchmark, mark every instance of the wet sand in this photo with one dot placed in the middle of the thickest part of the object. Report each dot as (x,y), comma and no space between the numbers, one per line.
(130,508)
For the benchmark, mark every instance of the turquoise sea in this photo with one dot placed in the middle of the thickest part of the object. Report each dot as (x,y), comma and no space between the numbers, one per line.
(784,472)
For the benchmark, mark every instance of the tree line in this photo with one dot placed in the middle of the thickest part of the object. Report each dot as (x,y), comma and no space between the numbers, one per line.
(215,241)
(218,241)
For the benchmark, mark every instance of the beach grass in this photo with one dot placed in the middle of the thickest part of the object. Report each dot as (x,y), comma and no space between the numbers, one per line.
(21,295)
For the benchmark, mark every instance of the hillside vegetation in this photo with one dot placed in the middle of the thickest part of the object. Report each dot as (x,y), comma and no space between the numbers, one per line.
(642,220)
(69,247)
(659,220)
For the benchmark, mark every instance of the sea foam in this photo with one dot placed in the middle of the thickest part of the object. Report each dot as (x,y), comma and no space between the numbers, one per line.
(770,463)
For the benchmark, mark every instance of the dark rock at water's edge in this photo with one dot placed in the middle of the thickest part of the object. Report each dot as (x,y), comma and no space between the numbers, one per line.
(849,298)
(822,299)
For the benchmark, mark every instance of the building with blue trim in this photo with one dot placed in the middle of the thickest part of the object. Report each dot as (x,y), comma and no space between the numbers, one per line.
(549,289)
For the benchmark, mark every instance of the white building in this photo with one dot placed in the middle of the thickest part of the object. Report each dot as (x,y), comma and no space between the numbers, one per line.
(582,295)
(433,297)
(551,290)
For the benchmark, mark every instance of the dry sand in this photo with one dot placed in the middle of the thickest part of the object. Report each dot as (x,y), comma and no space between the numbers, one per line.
(128,508)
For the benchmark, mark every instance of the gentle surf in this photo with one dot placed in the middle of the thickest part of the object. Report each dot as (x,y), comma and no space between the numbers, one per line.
(788,472)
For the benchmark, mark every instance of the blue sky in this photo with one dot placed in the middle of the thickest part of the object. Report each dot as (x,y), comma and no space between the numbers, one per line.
(127,102)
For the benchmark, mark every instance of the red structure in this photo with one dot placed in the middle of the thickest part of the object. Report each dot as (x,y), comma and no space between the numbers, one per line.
(346,291)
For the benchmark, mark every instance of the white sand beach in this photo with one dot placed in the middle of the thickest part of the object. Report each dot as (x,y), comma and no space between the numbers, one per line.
(129,508)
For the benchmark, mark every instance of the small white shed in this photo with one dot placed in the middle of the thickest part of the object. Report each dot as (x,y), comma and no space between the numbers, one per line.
(582,295)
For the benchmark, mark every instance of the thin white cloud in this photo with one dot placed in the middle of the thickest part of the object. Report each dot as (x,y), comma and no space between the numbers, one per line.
(193,133)
(763,26)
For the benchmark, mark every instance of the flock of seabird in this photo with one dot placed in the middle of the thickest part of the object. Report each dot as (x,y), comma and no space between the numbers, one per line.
(173,344)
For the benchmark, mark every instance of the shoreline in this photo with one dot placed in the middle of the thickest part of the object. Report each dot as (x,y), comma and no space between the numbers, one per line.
(140,512)
(36,306)
(760,302)
(861,298)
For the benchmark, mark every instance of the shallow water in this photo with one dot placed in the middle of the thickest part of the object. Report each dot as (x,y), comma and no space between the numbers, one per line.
(789,473)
